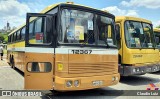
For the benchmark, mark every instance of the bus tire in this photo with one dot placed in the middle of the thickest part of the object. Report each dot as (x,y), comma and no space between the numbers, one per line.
(54,92)
(12,62)
(10,59)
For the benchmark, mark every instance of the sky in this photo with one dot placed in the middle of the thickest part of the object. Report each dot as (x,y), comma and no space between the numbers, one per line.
(14,11)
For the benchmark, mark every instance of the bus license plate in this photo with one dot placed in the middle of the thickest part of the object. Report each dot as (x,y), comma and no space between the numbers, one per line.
(97,83)
(149,69)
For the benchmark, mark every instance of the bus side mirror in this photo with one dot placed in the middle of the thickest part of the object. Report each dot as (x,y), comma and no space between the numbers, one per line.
(118,32)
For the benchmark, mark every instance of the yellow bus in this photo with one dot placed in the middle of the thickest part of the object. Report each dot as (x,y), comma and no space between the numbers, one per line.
(157,35)
(66,47)
(138,53)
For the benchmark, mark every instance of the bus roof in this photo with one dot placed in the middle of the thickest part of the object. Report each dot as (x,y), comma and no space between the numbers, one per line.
(120,18)
(48,8)
(156,30)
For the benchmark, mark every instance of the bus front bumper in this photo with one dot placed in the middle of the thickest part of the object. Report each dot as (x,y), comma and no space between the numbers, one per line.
(68,84)
(137,70)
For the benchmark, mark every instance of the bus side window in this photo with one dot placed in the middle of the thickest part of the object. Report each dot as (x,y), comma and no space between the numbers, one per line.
(10,38)
(38,31)
(35,67)
(40,34)
(18,35)
(31,30)
(15,36)
(23,33)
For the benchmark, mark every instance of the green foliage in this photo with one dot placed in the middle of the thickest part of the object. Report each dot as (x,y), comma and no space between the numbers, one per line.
(1,38)
(4,37)
(158,26)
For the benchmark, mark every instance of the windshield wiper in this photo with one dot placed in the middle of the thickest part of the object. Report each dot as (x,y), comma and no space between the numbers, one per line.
(82,44)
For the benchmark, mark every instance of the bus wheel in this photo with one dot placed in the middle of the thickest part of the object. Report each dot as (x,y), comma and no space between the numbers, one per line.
(54,92)
(12,62)
(13,65)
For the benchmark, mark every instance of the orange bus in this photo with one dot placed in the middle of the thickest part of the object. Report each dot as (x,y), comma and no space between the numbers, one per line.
(66,47)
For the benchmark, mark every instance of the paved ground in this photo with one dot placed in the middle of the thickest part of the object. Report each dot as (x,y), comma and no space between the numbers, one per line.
(3,62)
(13,80)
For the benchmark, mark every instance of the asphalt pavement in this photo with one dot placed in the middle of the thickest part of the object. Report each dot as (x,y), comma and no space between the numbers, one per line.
(11,79)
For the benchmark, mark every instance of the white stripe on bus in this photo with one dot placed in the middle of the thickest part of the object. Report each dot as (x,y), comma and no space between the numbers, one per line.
(32,49)
(22,49)
(94,51)
(39,50)
(64,50)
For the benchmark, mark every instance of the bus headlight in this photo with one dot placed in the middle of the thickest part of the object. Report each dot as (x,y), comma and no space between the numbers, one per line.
(76,83)
(69,83)
(113,78)
(116,78)
(138,69)
(156,67)
(134,70)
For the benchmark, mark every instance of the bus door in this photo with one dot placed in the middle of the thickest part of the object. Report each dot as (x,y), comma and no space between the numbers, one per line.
(39,52)
(119,43)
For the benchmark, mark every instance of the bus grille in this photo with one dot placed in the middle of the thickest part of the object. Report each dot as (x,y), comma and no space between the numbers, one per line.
(79,68)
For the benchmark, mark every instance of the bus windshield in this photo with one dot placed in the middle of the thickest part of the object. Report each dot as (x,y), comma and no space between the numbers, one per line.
(139,35)
(157,36)
(79,27)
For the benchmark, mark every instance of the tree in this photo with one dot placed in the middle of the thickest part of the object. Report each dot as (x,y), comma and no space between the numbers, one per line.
(158,26)
(1,39)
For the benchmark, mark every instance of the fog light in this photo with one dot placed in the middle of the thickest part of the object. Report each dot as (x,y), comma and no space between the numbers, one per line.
(76,83)
(137,69)
(116,78)
(134,70)
(69,83)
(155,68)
